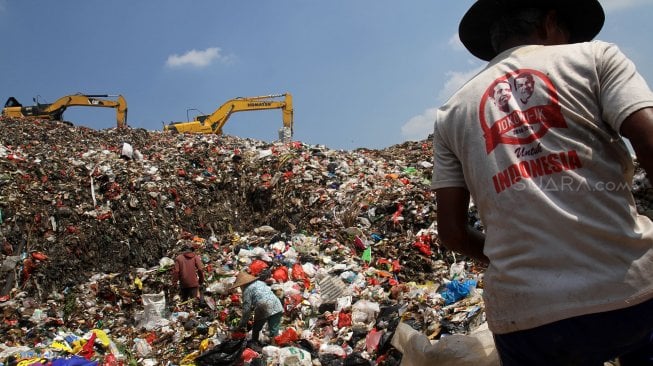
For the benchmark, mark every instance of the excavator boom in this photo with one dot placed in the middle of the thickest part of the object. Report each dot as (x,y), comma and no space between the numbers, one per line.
(54,111)
(214,122)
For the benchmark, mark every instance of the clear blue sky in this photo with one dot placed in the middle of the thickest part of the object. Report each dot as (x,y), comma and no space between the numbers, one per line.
(363,73)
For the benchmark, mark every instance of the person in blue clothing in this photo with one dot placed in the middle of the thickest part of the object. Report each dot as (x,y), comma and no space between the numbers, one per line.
(259,299)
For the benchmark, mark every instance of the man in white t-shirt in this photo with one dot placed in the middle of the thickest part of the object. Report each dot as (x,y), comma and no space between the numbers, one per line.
(570,274)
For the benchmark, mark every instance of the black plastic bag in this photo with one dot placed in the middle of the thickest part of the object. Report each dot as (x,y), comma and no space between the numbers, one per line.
(226,353)
(356,359)
(307,346)
(329,359)
(392,358)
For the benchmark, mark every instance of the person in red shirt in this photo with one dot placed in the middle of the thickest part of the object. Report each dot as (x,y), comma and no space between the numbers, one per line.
(188,273)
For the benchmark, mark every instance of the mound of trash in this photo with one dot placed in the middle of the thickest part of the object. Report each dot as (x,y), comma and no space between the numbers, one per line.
(89,222)
(113,200)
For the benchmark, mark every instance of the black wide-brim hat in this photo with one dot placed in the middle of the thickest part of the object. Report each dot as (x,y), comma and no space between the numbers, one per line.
(584,19)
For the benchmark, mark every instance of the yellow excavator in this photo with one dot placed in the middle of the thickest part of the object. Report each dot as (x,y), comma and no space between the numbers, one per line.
(214,122)
(54,111)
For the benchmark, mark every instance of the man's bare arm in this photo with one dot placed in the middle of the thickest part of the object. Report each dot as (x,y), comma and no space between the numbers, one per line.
(453,229)
(638,128)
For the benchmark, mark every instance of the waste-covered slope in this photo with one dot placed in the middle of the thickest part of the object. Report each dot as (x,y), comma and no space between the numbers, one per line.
(73,194)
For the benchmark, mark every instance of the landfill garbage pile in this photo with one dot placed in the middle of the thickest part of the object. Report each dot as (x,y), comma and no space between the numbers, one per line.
(72,194)
(91,220)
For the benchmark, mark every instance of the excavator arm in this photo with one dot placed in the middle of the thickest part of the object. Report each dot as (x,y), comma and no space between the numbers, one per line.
(54,111)
(214,122)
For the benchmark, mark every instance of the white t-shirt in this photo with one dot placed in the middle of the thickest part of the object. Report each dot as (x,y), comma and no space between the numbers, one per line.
(534,139)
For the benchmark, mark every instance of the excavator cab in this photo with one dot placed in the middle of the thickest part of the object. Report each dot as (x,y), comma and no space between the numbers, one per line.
(13,108)
(201,118)
(12,102)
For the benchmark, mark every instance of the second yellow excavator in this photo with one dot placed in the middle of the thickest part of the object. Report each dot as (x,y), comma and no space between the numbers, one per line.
(54,111)
(214,122)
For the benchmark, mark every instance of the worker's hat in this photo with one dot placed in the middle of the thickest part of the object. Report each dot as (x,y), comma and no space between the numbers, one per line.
(243,278)
(583,18)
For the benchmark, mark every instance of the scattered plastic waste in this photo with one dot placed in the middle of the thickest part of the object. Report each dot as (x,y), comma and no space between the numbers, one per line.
(89,222)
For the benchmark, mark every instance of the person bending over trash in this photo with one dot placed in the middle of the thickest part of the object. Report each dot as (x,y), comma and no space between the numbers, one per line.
(188,273)
(258,298)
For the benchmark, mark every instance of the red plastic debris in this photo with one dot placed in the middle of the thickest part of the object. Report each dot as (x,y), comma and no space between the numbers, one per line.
(288,336)
(39,256)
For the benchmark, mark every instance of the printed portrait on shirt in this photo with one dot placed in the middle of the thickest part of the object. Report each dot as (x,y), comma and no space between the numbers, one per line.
(519,108)
(524,87)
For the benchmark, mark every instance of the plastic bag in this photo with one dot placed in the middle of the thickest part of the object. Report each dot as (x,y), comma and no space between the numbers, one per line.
(142,348)
(166,262)
(288,336)
(249,354)
(73,361)
(226,353)
(280,274)
(293,356)
(364,314)
(221,287)
(110,360)
(371,309)
(475,349)
(298,274)
(330,359)
(457,290)
(292,302)
(127,150)
(154,309)
(331,349)
(356,359)
(102,338)
(372,340)
(88,350)
(154,304)
(257,266)
(344,319)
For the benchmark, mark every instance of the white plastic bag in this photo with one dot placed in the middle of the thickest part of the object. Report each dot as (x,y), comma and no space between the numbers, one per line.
(475,349)
(141,347)
(166,262)
(154,311)
(221,286)
(363,314)
(154,304)
(127,150)
(293,356)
